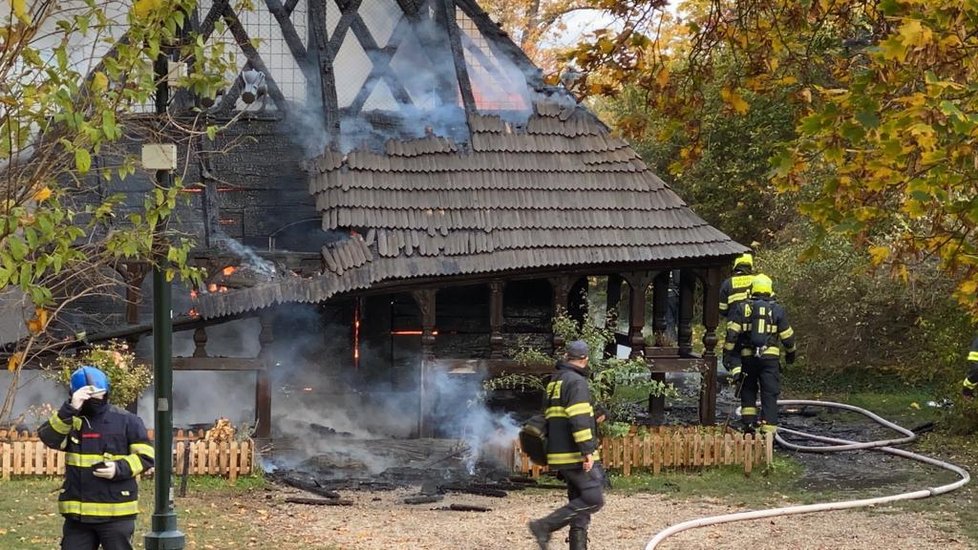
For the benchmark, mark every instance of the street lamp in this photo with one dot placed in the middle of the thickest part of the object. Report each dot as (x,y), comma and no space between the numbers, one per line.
(162,157)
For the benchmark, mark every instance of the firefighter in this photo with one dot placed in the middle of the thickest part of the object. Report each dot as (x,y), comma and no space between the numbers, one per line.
(736,288)
(105,448)
(757,331)
(572,449)
(971,381)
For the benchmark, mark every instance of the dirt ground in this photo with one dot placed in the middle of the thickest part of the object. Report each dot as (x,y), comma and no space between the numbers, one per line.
(378,520)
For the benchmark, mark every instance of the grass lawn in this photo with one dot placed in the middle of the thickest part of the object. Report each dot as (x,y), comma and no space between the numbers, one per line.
(213,515)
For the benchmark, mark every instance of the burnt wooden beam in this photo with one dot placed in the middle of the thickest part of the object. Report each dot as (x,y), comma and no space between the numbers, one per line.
(200,342)
(291,36)
(496,319)
(218,364)
(263,385)
(561,286)
(320,501)
(350,14)
(502,40)
(290,6)
(458,54)
(426,306)
(711,318)
(324,56)
(215,13)
(381,59)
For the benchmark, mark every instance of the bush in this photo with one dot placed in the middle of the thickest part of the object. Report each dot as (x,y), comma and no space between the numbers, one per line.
(848,318)
(128,379)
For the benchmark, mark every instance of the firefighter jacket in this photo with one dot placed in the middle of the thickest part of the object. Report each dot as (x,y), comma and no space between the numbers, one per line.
(734,290)
(778,331)
(971,381)
(109,434)
(571,430)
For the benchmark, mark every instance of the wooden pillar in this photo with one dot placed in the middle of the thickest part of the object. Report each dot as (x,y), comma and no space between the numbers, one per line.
(638,283)
(611,312)
(263,384)
(660,308)
(200,342)
(426,305)
(711,318)
(687,286)
(496,319)
(561,288)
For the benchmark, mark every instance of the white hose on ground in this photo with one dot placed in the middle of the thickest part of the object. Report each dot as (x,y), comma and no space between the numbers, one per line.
(839,445)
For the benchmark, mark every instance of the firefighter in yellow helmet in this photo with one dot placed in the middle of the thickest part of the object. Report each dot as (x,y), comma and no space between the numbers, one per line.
(757,331)
(971,381)
(736,288)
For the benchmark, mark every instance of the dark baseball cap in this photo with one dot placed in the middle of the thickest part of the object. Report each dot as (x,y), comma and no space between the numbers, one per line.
(577,349)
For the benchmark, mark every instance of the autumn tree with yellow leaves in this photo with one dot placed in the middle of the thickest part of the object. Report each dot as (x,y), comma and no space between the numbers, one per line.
(76,78)
(883,99)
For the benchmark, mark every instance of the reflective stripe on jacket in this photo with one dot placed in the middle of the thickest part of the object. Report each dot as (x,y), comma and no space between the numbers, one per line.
(971,381)
(112,435)
(779,334)
(571,430)
(733,291)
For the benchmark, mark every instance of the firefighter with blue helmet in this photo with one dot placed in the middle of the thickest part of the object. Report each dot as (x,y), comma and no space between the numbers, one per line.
(757,332)
(105,449)
(737,287)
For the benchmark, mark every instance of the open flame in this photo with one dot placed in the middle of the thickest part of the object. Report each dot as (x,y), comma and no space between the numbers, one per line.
(411,332)
(229,270)
(356,336)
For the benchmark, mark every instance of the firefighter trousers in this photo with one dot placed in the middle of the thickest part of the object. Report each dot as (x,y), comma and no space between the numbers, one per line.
(111,535)
(761,376)
(585,496)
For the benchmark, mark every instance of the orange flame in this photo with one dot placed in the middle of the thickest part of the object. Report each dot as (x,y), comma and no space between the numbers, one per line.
(229,270)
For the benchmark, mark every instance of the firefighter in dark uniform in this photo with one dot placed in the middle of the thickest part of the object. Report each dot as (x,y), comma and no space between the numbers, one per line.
(105,448)
(971,381)
(572,449)
(736,288)
(757,331)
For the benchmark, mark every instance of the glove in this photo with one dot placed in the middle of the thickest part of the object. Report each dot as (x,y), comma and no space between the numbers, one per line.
(968,393)
(107,472)
(789,357)
(83,394)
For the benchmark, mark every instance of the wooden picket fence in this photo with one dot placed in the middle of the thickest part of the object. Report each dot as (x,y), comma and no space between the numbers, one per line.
(23,454)
(670,447)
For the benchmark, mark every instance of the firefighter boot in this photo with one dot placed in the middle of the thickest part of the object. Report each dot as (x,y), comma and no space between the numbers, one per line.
(578,538)
(540,531)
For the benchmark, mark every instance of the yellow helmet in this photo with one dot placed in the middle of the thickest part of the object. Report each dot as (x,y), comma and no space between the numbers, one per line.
(762,285)
(744,260)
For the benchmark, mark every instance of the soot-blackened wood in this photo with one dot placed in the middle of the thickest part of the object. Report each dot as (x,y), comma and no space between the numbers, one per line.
(291,36)
(464,508)
(687,287)
(320,501)
(474,490)
(461,70)
(423,499)
(350,14)
(660,308)
(498,37)
(306,485)
(321,52)
(496,319)
(290,6)
(381,58)
(638,282)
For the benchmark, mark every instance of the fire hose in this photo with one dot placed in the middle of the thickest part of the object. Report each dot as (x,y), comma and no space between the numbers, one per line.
(835,446)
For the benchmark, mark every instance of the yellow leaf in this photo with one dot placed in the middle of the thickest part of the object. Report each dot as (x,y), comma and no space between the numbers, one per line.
(42,194)
(915,34)
(143,8)
(915,405)
(878,254)
(968,287)
(663,77)
(100,82)
(732,98)
(20,10)
(14,361)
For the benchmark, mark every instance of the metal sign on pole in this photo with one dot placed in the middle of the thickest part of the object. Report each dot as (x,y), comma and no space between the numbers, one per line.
(164,534)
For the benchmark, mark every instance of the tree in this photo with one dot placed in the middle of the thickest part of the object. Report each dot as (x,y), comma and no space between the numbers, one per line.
(74,76)
(885,99)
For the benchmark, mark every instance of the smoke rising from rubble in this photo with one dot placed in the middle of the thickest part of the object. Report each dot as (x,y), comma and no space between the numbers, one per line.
(248,256)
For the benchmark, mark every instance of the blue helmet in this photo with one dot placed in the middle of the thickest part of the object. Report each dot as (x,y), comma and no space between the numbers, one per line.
(89,376)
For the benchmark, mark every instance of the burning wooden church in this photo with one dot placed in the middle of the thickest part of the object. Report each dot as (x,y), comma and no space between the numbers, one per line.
(410,179)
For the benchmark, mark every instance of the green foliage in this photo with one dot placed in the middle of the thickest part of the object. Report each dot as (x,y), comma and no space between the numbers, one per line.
(614,382)
(848,317)
(128,378)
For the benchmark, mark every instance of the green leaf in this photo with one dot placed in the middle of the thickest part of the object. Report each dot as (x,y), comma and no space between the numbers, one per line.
(83,160)
(18,250)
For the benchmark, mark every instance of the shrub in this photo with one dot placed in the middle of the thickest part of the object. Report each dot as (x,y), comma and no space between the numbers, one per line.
(128,378)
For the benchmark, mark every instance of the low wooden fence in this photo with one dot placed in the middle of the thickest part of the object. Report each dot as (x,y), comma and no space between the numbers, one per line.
(23,454)
(684,447)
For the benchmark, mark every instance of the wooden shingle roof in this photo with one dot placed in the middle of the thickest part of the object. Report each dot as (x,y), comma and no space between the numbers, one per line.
(558,191)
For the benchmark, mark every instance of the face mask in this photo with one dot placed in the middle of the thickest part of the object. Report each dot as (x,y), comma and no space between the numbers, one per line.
(93,407)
